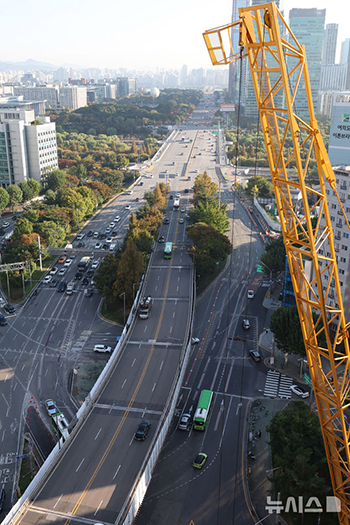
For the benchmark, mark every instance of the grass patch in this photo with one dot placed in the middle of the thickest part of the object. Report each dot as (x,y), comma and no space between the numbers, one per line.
(26,474)
(115,311)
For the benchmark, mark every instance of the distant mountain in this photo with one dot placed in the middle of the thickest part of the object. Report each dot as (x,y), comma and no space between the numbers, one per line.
(27,65)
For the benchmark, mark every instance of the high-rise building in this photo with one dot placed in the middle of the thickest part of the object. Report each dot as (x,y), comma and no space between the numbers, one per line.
(339,136)
(344,51)
(28,147)
(330,44)
(307,25)
(234,82)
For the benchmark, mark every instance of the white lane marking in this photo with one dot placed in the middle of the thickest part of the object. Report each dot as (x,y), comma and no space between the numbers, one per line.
(156,288)
(46,371)
(14,337)
(15,386)
(82,461)
(154,386)
(57,502)
(171,329)
(161,365)
(6,378)
(23,367)
(145,328)
(173,314)
(134,361)
(3,434)
(98,433)
(115,475)
(132,439)
(7,412)
(238,408)
(98,508)
(177,288)
(124,383)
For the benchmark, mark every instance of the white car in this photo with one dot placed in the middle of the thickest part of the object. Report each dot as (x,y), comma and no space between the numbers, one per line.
(95,264)
(80,236)
(112,225)
(250,294)
(68,262)
(98,246)
(130,192)
(102,349)
(109,240)
(62,271)
(51,407)
(299,391)
(53,271)
(128,207)
(6,224)
(117,219)
(194,341)
(47,279)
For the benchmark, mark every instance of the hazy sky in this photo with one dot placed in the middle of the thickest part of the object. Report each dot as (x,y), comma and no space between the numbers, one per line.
(133,34)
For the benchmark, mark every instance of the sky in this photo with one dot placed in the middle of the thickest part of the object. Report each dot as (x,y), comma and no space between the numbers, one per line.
(134,34)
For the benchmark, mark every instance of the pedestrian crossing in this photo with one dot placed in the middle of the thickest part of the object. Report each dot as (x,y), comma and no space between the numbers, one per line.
(277,385)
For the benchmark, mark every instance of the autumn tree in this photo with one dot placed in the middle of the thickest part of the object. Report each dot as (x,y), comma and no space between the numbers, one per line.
(130,270)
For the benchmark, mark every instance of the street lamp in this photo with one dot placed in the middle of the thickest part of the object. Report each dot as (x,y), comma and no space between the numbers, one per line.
(124,304)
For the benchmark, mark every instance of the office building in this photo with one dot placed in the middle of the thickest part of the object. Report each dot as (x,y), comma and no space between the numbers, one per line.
(341,237)
(28,147)
(344,52)
(307,25)
(56,97)
(330,44)
(333,77)
(339,136)
(234,82)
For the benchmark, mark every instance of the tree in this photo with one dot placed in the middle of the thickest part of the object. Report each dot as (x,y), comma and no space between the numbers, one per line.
(35,186)
(298,452)
(285,324)
(23,226)
(105,276)
(4,198)
(55,180)
(51,233)
(211,213)
(274,256)
(130,270)
(15,195)
(27,192)
(263,185)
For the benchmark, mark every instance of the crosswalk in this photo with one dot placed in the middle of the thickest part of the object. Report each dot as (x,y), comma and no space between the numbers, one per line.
(277,385)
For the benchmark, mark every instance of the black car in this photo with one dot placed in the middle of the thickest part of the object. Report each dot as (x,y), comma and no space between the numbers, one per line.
(90,233)
(186,190)
(254,354)
(166,220)
(103,235)
(78,276)
(171,196)
(62,286)
(2,231)
(105,246)
(9,308)
(54,283)
(85,281)
(142,431)
(81,245)
(161,238)
(90,272)
(114,233)
(3,321)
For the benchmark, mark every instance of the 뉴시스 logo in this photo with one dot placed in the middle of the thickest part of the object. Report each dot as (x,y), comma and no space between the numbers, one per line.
(345,117)
(296,505)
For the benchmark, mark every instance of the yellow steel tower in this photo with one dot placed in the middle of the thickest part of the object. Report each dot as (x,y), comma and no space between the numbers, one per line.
(278,66)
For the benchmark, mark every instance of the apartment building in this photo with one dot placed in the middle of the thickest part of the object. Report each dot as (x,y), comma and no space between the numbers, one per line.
(55,97)
(28,146)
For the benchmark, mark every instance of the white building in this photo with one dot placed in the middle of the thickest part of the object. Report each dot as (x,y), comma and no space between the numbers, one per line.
(28,149)
(339,136)
(56,97)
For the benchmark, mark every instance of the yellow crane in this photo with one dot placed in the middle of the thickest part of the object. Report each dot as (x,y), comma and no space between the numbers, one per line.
(278,67)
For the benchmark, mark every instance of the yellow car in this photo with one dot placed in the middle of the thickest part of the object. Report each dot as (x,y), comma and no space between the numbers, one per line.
(200,460)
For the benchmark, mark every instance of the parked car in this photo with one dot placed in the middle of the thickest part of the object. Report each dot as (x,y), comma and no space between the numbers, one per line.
(102,349)
(9,308)
(3,321)
(299,391)
(201,458)
(142,431)
(255,355)
(185,422)
(50,407)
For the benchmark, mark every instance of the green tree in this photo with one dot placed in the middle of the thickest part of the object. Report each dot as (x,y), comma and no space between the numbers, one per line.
(15,195)
(106,275)
(130,270)
(274,256)
(23,226)
(35,187)
(298,453)
(27,192)
(263,185)
(211,213)
(4,198)
(51,233)
(55,180)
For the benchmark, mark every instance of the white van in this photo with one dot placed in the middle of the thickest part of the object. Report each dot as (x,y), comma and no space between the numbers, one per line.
(112,247)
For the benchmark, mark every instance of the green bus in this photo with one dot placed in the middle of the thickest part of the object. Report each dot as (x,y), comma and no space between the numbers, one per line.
(202,413)
(168,250)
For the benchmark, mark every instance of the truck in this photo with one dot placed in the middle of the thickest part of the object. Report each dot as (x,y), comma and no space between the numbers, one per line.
(83,264)
(176,204)
(145,307)
(112,247)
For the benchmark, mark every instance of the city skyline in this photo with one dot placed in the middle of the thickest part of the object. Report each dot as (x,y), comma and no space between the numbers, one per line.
(137,39)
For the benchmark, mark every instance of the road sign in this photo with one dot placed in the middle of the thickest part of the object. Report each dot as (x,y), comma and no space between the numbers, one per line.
(260,269)
(307,379)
